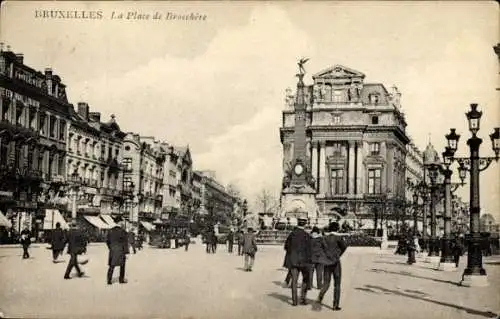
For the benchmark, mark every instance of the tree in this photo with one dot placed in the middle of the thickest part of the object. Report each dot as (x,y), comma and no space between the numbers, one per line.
(266,202)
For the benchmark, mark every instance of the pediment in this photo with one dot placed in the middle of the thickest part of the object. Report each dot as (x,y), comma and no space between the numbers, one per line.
(339,72)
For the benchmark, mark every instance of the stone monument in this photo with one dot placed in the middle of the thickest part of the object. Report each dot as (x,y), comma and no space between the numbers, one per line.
(298,193)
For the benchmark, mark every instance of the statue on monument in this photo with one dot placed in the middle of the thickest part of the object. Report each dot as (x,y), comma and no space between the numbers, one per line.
(302,70)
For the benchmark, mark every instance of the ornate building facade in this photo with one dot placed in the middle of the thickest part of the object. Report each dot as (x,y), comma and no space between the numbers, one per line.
(356,145)
(216,202)
(33,135)
(177,194)
(95,155)
(143,165)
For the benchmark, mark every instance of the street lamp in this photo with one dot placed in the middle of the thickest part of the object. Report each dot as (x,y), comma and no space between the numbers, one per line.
(415,207)
(75,180)
(474,274)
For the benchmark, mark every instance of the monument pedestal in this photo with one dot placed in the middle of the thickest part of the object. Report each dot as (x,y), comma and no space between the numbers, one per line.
(299,202)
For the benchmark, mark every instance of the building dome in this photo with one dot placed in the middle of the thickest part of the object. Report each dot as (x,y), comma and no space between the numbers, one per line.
(430,155)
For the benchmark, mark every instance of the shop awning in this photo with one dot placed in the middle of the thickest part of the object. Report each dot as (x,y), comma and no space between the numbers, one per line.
(52,217)
(108,220)
(4,221)
(147,225)
(97,222)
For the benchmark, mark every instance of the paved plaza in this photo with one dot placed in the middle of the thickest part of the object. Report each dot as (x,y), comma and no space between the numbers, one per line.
(172,283)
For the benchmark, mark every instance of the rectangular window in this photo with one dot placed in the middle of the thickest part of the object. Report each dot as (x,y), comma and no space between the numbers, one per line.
(52,126)
(62,130)
(337,181)
(41,124)
(4,153)
(375,148)
(338,96)
(127,184)
(5,111)
(60,166)
(374,181)
(336,119)
(127,164)
(19,113)
(110,151)
(375,119)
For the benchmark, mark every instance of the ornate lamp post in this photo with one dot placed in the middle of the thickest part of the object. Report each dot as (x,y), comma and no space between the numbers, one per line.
(474,274)
(415,213)
(76,181)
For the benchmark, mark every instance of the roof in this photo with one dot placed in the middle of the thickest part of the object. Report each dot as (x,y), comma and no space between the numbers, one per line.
(377,88)
(338,71)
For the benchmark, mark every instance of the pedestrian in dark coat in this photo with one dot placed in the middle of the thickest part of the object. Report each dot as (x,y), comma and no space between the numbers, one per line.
(213,241)
(240,242)
(458,250)
(25,242)
(298,248)
(77,245)
(230,242)
(334,249)
(58,241)
(318,257)
(131,240)
(249,248)
(118,246)
(187,240)
(410,244)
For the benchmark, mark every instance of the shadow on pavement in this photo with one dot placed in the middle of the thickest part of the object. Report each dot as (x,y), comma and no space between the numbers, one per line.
(281,297)
(288,300)
(408,274)
(391,262)
(373,289)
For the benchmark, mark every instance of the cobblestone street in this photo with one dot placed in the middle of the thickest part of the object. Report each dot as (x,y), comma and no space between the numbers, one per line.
(177,284)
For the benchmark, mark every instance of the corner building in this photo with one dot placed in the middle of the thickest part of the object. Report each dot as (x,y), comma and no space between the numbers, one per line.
(34,112)
(356,146)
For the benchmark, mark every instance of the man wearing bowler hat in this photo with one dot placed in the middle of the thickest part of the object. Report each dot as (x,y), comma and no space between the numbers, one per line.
(335,247)
(298,249)
(118,246)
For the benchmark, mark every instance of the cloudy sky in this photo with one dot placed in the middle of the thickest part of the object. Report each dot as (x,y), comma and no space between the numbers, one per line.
(218,85)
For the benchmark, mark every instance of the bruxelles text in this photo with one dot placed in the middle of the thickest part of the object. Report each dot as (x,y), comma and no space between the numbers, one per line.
(68,14)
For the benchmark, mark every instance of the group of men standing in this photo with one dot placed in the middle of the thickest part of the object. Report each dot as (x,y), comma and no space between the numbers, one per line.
(306,253)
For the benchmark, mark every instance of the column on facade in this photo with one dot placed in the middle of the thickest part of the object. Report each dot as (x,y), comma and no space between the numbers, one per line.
(359,168)
(314,166)
(388,176)
(351,169)
(322,168)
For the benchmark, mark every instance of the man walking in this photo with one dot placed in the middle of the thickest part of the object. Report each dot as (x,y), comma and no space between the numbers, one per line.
(334,248)
(230,241)
(77,245)
(240,242)
(249,248)
(118,247)
(25,242)
(298,248)
(318,257)
(58,241)
(131,240)
(187,240)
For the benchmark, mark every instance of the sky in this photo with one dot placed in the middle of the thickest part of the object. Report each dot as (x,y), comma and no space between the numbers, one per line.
(218,85)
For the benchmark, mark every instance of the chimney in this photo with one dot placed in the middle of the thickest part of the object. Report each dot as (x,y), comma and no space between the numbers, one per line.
(95,116)
(19,58)
(83,110)
(48,80)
